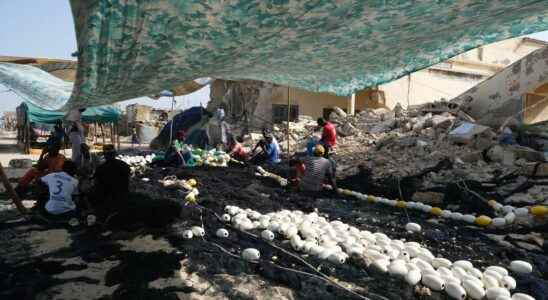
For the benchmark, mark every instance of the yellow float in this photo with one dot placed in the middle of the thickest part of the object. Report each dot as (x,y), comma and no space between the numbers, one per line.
(539,210)
(483,220)
(436,211)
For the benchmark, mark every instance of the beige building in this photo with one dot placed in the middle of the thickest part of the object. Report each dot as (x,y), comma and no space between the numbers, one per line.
(455,76)
(264,102)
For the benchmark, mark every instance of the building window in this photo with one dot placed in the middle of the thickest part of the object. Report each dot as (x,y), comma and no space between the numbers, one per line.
(279,113)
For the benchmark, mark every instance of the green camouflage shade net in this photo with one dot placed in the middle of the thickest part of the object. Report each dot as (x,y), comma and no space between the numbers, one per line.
(130,48)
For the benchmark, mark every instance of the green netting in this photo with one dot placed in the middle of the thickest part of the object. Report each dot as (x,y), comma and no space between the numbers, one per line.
(132,48)
(99,114)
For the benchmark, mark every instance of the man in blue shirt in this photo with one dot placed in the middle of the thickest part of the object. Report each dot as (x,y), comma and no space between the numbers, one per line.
(270,153)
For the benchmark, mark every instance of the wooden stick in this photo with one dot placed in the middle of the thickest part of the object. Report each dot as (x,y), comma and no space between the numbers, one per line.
(102,132)
(111,126)
(118,136)
(11,191)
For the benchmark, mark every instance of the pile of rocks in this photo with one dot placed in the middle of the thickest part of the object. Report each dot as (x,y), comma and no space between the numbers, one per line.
(403,143)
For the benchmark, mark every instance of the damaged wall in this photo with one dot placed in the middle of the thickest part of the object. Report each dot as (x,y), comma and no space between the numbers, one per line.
(502,96)
(254,100)
(243,100)
(458,74)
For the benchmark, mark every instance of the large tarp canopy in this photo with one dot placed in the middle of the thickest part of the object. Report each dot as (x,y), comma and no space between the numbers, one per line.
(35,86)
(49,92)
(132,48)
(99,114)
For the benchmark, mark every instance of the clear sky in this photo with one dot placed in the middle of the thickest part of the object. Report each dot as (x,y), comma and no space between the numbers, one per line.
(44,28)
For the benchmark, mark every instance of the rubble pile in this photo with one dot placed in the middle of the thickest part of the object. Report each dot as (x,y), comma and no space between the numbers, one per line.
(436,143)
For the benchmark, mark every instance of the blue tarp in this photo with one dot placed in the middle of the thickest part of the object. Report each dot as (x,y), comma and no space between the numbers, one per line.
(182,121)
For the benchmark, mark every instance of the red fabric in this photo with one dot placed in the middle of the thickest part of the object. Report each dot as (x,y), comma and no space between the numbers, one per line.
(238,152)
(180,134)
(55,164)
(329,134)
(300,169)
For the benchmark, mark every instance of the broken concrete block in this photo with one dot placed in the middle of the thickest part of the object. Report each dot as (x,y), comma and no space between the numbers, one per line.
(528,153)
(441,121)
(339,112)
(421,143)
(472,157)
(431,198)
(482,142)
(346,129)
(384,126)
(502,155)
(467,132)
(535,169)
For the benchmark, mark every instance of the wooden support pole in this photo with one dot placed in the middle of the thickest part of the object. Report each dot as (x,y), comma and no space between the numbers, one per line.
(352,105)
(94,133)
(102,133)
(11,192)
(118,136)
(111,126)
(287,135)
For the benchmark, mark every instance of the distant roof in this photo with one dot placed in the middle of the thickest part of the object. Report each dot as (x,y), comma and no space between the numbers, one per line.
(535,41)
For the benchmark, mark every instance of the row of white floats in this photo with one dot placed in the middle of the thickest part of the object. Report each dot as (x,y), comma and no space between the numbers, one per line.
(508,214)
(336,241)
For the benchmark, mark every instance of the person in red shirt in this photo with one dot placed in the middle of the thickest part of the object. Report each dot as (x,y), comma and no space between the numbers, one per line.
(237,150)
(329,136)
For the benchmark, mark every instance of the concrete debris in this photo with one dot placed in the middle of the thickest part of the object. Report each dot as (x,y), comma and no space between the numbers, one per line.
(436,143)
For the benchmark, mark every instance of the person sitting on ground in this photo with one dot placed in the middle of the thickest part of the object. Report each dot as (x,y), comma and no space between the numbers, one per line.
(317,169)
(50,161)
(111,183)
(329,136)
(266,133)
(62,192)
(237,150)
(269,152)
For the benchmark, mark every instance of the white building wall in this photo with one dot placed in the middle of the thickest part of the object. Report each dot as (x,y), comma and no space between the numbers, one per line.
(426,86)
(462,72)
(501,97)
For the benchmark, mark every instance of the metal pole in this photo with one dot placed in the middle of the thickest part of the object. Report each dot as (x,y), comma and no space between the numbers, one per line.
(408,88)
(287,135)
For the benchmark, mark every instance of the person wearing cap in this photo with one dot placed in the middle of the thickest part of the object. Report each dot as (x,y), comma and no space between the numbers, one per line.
(111,182)
(317,170)
(329,136)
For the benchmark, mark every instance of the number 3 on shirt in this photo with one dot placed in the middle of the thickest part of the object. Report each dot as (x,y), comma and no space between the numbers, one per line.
(59,187)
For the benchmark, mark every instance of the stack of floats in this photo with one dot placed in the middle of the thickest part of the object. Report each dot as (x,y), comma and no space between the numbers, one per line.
(336,241)
(507,214)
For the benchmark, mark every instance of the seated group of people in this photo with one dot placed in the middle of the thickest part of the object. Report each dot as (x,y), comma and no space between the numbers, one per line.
(65,189)
(311,173)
